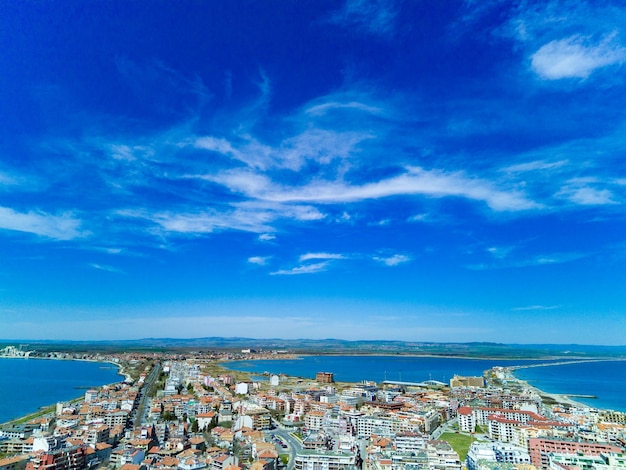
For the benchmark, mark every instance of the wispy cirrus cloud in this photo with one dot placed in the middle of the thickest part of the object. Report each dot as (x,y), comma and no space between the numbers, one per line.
(304,269)
(107,268)
(259,260)
(537,165)
(500,252)
(531,308)
(344,148)
(576,57)
(329,106)
(63,226)
(413,181)
(246,217)
(375,17)
(314,145)
(567,40)
(587,195)
(393,260)
(310,256)
(530,261)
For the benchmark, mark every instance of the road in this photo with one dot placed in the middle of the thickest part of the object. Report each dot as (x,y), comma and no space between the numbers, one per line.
(140,413)
(293,445)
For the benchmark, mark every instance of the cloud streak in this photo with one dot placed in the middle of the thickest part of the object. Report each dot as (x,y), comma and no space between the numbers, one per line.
(414,181)
(575,57)
(376,17)
(393,260)
(305,269)
(310,256)
(57,227)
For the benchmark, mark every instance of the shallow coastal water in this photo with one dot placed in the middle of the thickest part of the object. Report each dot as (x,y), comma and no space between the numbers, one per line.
(605,380)
(28,384)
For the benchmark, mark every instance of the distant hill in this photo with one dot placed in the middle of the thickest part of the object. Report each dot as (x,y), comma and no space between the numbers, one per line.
(332,346)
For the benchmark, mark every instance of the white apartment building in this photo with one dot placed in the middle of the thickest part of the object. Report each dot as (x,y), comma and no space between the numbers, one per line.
(379,425)
(313,460)
(482,414)
(409,442)
(495,452)
(467,419)
(314,420)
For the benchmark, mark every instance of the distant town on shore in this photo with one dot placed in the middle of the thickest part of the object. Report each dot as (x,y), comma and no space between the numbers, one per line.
(327,346)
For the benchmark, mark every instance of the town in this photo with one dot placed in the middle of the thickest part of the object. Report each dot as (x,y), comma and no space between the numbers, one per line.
(188,411)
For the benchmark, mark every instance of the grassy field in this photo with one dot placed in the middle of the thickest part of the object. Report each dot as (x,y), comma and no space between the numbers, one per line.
(459,442)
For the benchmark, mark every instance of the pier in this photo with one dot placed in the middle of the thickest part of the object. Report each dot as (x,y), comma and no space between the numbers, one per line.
(561,363)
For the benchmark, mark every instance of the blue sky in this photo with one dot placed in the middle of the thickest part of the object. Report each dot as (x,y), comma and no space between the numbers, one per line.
(417,170)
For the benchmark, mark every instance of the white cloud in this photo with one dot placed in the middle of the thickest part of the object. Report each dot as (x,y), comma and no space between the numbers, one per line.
(574,57)
(393,260)
(260,260)
(107,268)
(320,146)
(537,165)
(587,196)
(418,218)
(415,181)
(309,256)
(256,217)
(507,262)
(208,222)
(216,145)
(371,16)
(499,252)
(536,307)
(323,108)
(307,269)
(266,237)
(58,227)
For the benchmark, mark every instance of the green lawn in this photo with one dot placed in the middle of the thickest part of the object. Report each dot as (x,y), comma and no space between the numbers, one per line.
(459,442)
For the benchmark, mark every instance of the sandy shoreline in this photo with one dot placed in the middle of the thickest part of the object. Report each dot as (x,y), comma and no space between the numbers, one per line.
(556,397)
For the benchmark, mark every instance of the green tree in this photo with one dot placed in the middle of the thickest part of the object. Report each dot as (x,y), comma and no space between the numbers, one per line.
(168,416)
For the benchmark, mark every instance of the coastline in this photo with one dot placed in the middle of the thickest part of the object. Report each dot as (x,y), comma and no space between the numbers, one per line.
(45,408)
(564,399)
(557,398)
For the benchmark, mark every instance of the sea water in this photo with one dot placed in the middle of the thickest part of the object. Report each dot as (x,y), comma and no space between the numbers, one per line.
(28,384)
(376,368)
(604,380)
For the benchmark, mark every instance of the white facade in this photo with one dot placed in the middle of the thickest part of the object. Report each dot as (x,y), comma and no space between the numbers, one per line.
(241,388)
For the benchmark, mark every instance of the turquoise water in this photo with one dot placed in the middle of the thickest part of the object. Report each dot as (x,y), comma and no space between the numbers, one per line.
(28,384)
(606,380)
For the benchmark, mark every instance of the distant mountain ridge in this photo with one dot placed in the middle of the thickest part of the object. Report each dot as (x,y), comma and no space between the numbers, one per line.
(332,346)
